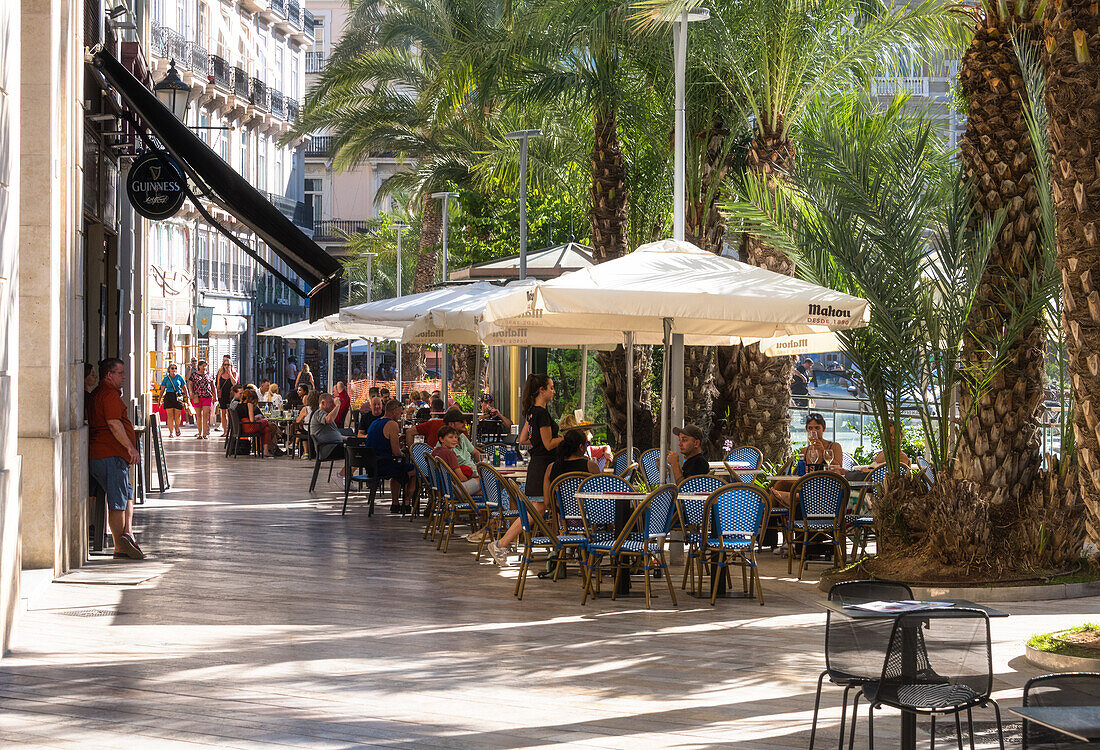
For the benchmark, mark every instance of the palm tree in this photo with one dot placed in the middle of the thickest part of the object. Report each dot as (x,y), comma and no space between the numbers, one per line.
(775,57)
(393,85)
(1072,60)
(577,55)
(998,156)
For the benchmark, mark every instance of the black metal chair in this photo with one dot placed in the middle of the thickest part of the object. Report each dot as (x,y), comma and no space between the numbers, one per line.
(357,455)
(330,452)
(1065,689)
(854,649)
(938,663)
(235,435)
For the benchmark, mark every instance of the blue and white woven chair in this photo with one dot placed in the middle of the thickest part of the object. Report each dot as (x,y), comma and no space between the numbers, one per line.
(437,491)
(733,519)
(848,462)
(744,457)
(691,522)
(568,510)
(457,502)
(502,511)
(641,540)
(624,464)
(537,533)
(489,450)
(819,500)
(420,453)
(598,516)
(861,519)
(651,466)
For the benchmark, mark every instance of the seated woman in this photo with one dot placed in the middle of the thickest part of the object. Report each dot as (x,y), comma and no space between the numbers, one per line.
(445,449)
(301,422)
(572,455)
(818,455)
(273,396)
(253,423)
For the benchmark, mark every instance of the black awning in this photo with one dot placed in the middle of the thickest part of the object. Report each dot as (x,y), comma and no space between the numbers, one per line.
(221,184)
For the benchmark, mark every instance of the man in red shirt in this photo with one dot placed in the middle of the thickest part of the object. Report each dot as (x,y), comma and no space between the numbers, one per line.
(429,429)
(112,449)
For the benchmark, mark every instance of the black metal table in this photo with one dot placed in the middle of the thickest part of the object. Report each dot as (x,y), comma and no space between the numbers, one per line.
(1079,722)
(844,607)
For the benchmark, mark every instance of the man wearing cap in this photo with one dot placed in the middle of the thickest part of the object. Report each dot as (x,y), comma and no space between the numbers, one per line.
(690,441)
(493,420)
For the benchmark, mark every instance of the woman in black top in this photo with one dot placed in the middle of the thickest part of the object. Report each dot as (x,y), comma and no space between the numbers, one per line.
(572,456)
(541,431)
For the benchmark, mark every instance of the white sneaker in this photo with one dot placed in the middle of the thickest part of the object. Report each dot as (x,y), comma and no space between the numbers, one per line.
(478,536)
(781,550)
(500,557)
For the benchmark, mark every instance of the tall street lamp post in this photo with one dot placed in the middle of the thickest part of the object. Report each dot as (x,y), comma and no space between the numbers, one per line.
(446,198)
(522,136)
(400,227)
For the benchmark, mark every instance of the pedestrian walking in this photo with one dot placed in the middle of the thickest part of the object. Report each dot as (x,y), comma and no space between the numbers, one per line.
(202,398)
(173,396)
(223,384)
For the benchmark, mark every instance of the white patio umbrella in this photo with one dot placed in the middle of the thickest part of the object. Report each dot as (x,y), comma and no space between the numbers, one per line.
(672,291)
(807,343)
(324,330)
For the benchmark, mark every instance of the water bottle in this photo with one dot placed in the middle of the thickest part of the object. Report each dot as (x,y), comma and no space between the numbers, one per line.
(511,457)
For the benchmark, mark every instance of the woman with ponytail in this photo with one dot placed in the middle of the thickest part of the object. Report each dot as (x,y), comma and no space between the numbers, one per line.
(572,455)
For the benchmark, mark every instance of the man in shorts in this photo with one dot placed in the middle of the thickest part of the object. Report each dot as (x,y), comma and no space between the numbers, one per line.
(112,449)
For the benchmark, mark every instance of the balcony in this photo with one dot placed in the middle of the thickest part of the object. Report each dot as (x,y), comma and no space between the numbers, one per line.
(913,85)
(199,60)
(221,74)
(158,42)
(279,6)
(240,82)
(307,23)
(293,109)
(294,13)
(258,93)
(319,147)
(294,210)
(277,103)
(337,230)
(315,62)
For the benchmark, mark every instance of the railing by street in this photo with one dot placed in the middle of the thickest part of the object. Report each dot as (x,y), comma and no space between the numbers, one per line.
(338,229)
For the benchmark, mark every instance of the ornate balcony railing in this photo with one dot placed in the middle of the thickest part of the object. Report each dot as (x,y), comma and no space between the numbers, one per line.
(294,13)
(275,97)
(913,85)
(307,22)
(293,109)
(258,93)
(338,229)
(319,146)
(221,74)
(315,62)
(240,82)
(279,6)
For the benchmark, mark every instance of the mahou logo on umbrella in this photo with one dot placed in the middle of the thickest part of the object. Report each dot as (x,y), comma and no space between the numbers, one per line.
(827,315)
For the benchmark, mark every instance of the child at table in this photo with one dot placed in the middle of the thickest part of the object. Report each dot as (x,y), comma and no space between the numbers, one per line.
(448,438)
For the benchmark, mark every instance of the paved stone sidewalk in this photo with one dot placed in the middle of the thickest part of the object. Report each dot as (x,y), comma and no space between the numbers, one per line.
(269,620)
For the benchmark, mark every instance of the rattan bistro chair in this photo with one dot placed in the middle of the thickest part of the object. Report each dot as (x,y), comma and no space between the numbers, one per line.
(458,502)
(691,522)
(537,533)
(498,501)
(566,509)
(938,663)
(855,648)
(1066,689)
(733,519)
(650,463)
(641,540)
(745,457)
(819,500)
(420,453)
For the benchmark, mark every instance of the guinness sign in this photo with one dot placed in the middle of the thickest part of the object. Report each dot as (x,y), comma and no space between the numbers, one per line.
(156,186)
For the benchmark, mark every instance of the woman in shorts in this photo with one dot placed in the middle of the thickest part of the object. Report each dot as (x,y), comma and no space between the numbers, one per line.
(202,398)
(175,391)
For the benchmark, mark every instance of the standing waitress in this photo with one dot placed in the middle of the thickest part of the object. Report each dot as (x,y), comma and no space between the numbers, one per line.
(224,382)
(541,431)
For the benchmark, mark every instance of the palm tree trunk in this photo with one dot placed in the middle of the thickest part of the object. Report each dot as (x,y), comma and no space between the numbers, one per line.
(607,220)
(999,449)
(755,391)
(431,235)
(1073,103)
(704,226)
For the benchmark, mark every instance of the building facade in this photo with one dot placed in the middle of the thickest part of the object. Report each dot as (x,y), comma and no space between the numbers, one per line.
(341,201)
(245,63)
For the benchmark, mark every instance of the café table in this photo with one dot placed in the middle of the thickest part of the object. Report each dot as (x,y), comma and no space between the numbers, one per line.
(1079,722)
(624,507)
(846,606)
(720,466)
